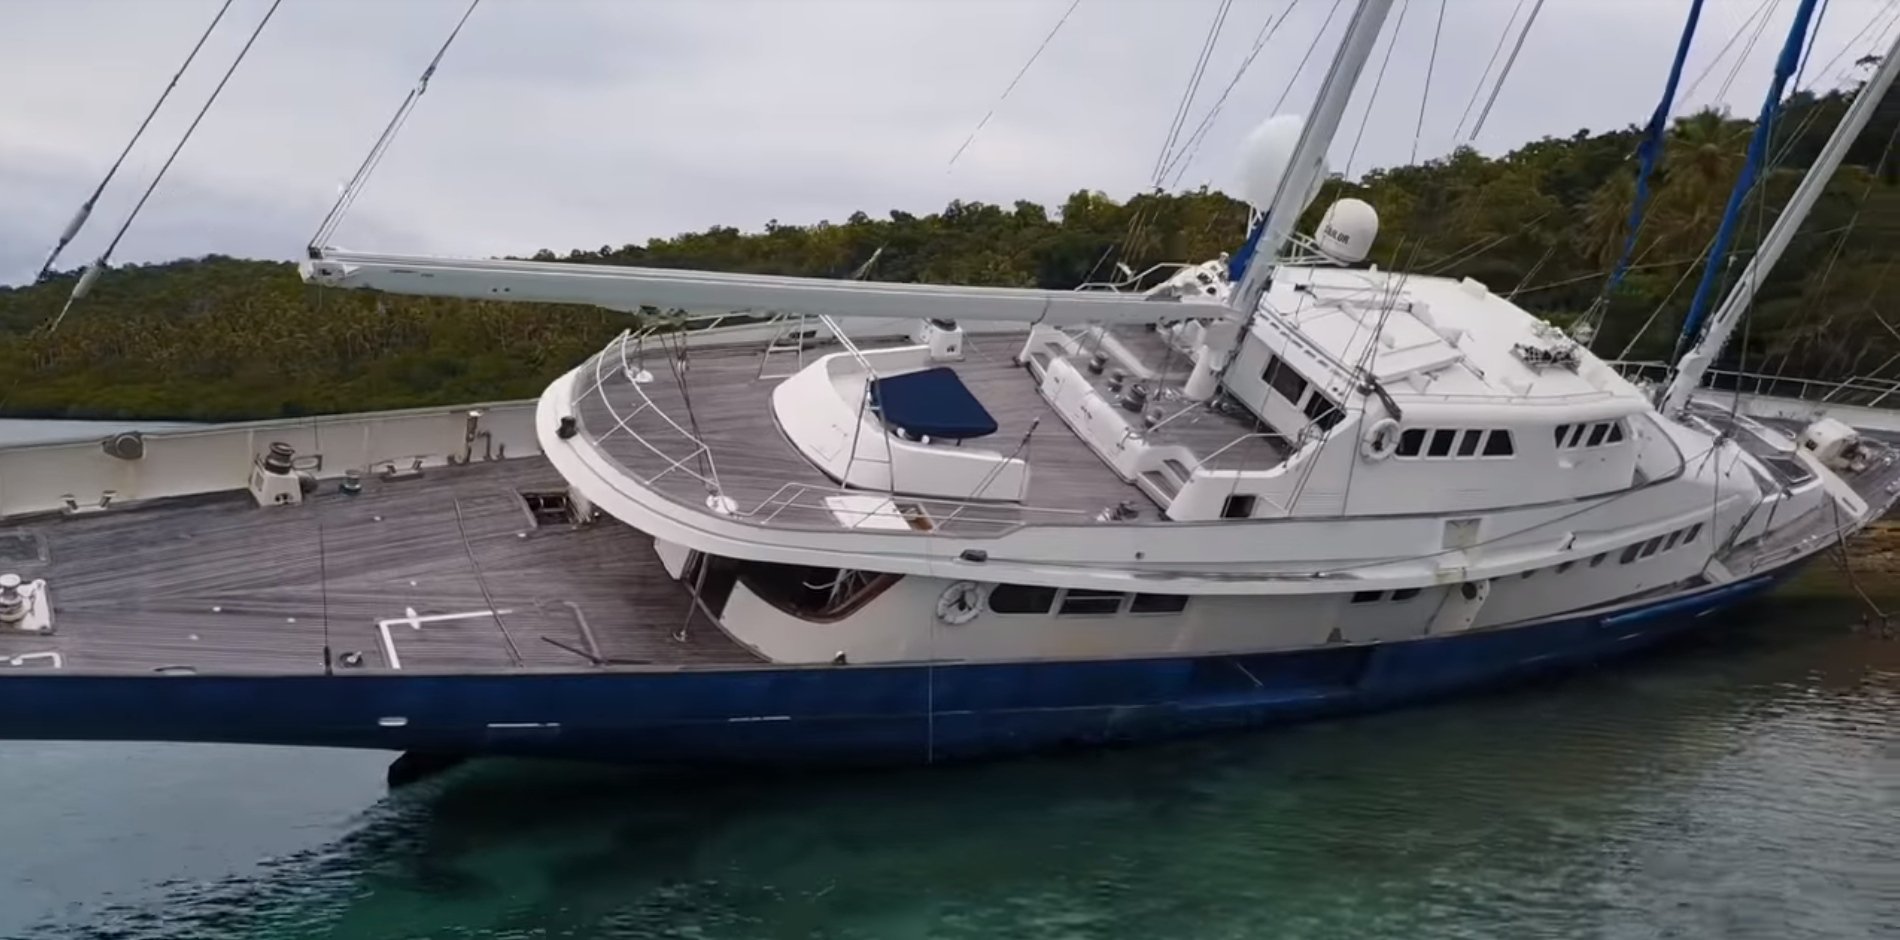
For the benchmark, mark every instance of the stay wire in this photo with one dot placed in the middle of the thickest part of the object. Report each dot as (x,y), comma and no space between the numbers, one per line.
(1722,53)
(1184,157)
(1012,84)
(85,208)
(1504,36)
(1377,83)
(1431,68)
(1186,105)
(106,256)
(354,187)
(1504,74)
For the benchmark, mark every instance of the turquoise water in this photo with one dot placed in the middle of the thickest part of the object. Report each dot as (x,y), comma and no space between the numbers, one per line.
(1746,787)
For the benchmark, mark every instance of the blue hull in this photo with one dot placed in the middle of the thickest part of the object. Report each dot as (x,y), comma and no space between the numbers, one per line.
(830,715)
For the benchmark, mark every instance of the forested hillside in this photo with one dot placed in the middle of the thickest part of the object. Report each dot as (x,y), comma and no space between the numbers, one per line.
(221,338)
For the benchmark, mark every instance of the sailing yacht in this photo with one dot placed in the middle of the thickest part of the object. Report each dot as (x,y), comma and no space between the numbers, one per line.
(822,521)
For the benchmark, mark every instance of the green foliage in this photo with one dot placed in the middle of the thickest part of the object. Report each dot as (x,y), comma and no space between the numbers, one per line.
(222,338)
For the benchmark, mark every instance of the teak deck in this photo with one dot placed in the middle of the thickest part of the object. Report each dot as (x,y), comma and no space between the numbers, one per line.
(217,584)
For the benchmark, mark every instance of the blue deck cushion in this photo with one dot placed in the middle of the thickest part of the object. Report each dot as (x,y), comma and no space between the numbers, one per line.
(932,403)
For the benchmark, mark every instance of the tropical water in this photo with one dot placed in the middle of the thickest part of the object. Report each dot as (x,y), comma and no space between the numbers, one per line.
(1744,785)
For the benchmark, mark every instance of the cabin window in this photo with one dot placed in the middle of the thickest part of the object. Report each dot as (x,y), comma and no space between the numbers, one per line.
(1441,443)
(1080,601)
(1694,531)
(1367,597)
(1576,435)
(1411,442)
(1652,546)
(1284,380)
(1616,432)
(1499,444)
(1468,443)
(1021,599)
(1405,594)
(1322,411)
(1597,559)
(1237,506)
(1674,537)
(1526,575)
(1563,431)
(1629,553)
(1597,433)
(1566,566)
(1158,604)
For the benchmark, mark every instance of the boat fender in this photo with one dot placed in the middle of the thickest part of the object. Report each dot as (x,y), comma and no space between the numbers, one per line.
(1381,440)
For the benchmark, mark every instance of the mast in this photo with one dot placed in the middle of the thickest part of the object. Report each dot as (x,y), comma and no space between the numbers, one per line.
(1695,363)
(1309,156)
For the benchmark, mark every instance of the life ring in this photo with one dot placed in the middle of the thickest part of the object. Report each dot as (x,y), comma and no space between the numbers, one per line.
(1381,440)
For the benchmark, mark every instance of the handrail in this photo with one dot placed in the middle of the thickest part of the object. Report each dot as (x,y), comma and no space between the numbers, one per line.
(1730,380)
(795,496)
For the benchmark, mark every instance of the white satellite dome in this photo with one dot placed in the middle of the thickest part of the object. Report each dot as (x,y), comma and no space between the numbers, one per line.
(1264,156)
(1347,230)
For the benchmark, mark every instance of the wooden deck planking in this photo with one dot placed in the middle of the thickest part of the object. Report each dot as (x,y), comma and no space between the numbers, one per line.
(220,585)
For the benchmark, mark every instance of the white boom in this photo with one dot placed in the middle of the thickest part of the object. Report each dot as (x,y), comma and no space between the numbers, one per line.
(628,288)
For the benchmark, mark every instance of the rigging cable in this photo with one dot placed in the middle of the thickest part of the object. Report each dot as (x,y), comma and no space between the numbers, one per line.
(92,272)
(1012,83)
(1723,52)
(1648,152)
(1186,105)
(85,208)
(1377,83)
(354,187)
(1185,156)
(1431,67)
(1784,68)
(1503,36)
(1505,73)
(1747,50)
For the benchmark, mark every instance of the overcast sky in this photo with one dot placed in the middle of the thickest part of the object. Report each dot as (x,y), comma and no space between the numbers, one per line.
(578,123)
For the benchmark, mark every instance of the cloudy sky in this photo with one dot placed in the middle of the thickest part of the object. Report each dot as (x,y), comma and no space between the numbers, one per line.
(578,123)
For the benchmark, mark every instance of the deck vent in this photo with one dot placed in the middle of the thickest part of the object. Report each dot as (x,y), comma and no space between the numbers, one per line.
(549,507)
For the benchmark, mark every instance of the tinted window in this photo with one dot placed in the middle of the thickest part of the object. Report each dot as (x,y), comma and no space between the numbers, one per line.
(1498,444)
(1021,599)
(1157,603)
(1284,380)
(1650,547)
(1563,431)
(1629,554)
(1576,436)
(1366,597)
(1597,431)
(1404,594)
(1694,531)
(1079,601)
(1441,443)
(1673,538)
(1468,443)
(1598,559)
(1237,506)
(1411,442)
(1616,432)
(1322,411)
(1566,566)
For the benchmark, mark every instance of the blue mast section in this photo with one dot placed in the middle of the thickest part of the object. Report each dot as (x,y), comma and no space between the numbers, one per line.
(1757,146)
(1237,265)
(1651,148)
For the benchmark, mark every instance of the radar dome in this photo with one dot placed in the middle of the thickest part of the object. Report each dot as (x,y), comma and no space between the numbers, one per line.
(1264,156)
(1347,230)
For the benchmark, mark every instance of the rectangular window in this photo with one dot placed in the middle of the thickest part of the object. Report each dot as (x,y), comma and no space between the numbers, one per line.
(1321,411)
(1079,601)
(1652,546)
(1367,597)
(1237,506)
(1526,575)
(1597,433)
(1158,604)
(1404,594)
(1576,436)
(1674,537)
(1563,431)
(1021,599)
(1498,444)
(1566,566)
(1616,432)
(1468,443)
(1441,443)
(1284,380)
(1694,531)
(1597,559)
(1629,554)
(1411,442)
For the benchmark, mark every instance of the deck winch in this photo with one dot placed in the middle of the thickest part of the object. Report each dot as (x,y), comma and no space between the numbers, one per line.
(23,605)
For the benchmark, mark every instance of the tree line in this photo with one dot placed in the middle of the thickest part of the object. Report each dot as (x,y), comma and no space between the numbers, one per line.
(219,338)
